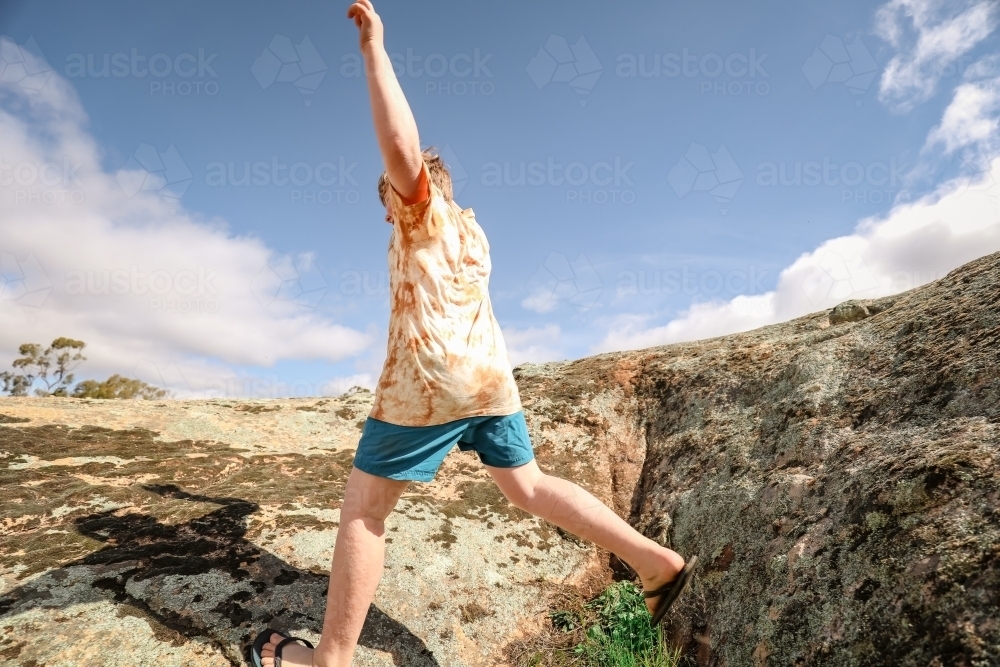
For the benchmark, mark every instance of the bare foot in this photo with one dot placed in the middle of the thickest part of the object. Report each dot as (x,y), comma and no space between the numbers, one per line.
(670,566)
(293,654)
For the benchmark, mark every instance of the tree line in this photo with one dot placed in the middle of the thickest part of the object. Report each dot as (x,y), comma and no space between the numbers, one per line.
(48,372)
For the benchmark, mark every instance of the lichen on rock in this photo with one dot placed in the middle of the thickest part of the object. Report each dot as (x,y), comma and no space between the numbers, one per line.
(838,476)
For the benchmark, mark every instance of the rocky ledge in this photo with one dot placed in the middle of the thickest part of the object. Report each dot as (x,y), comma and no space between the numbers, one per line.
(837,476)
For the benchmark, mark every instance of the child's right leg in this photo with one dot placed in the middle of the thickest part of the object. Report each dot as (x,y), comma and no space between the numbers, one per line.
(358,559)
(574,509)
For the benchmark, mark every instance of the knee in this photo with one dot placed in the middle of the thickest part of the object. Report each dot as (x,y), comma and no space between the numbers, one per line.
(368,510)
(352,512)
(522,493)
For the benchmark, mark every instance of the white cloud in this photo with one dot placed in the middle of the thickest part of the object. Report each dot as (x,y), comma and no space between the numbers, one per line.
(913,244)
(534,344)
(930,37)
(148,286)
(970,118)
(701,320)
(368,366)
(540,301)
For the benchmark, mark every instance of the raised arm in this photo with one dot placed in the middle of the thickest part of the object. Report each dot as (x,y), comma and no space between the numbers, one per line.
(394,124)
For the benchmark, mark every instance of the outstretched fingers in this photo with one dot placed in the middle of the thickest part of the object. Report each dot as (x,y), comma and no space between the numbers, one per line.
(361,12)
(367,21)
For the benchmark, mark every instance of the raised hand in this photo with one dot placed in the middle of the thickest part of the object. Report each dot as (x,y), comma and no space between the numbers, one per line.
(395,128)
(368,22)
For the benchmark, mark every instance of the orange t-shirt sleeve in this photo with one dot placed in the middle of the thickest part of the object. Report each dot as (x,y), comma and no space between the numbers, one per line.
(421,220)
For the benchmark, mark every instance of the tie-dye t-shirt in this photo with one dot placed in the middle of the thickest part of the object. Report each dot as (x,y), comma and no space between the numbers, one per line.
(446,357)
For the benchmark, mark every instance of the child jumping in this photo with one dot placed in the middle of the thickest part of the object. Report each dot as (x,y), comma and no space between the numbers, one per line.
(447,380)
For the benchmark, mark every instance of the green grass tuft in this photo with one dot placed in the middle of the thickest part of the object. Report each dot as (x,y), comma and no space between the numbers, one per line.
(610,631)
(622,637)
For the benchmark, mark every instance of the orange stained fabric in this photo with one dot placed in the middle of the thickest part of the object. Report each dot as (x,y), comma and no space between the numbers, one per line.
(446,357)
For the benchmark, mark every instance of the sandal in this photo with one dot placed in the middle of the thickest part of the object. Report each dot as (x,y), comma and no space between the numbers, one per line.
(671,591)
(256,659)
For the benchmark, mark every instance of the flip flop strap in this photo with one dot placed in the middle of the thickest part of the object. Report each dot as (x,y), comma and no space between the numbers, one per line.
(660,591)
(281,644)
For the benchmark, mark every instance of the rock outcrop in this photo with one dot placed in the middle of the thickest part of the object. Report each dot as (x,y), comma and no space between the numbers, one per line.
(838,475)
(171,532)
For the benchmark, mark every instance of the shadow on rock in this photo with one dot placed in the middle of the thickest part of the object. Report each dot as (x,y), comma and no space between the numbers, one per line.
(204,579)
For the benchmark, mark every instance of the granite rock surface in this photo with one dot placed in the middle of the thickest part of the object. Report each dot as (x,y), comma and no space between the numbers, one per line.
(838,475)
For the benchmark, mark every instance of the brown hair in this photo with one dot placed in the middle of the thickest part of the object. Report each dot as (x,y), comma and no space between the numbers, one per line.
(436,168)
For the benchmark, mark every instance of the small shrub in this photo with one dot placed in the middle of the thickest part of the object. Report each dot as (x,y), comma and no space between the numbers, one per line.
(622,637)
(612,630)
(117,386)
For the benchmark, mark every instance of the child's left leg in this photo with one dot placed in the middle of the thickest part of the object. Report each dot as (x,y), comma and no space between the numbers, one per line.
(358,558)
(574,509)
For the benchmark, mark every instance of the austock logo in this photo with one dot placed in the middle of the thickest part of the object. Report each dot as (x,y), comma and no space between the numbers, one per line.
(834,278)
(459,177)
(149,170)
(559,62)
(285,280)
(182,74)
(283,62)
(701,171)
(833,61)
(23,65)
(23,281)
(559,280)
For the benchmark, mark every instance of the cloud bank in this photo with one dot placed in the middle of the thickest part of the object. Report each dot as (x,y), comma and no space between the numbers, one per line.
(113,259)
(914,243)
(930,37)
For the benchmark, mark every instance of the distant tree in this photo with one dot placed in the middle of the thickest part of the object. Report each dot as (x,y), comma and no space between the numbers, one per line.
(117,386)
(52,367)
(35,364)
(18,384)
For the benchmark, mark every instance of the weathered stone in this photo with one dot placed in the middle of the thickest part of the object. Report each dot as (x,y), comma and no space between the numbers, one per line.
(849,311)
(840,484)
(198,523)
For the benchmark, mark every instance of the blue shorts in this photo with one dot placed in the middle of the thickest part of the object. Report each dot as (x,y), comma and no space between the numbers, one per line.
(415,452)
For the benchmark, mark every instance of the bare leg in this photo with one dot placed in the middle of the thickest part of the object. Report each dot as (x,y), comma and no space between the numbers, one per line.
(574,509)
(358,558)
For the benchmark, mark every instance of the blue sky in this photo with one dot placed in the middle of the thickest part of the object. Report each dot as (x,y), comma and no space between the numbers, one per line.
(679,161)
